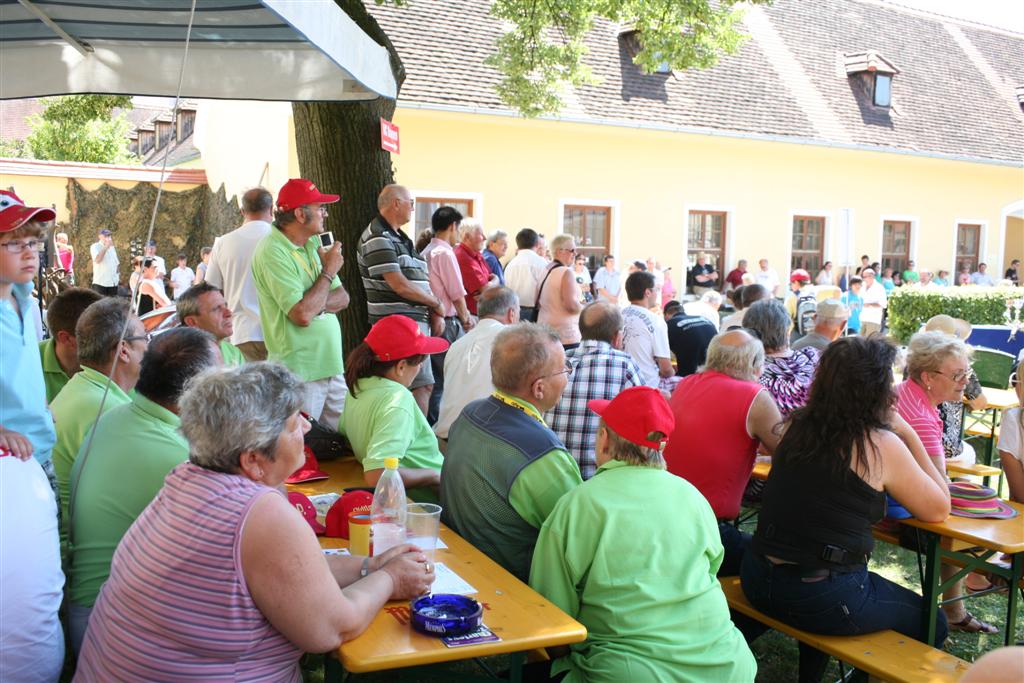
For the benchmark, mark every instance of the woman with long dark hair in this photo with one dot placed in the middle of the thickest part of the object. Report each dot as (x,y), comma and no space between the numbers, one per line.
(381,418)
(843,451)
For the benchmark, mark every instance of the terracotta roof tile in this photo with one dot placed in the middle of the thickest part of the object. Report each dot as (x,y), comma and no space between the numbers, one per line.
(942,103)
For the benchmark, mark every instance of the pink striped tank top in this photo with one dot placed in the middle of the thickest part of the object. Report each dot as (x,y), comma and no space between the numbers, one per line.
(176,606)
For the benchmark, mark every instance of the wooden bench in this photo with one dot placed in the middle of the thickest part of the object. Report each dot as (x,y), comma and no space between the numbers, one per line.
(885,655)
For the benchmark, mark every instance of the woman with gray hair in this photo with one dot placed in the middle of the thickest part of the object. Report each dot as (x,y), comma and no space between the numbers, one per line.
(938,370)
(787,373)
(220,578)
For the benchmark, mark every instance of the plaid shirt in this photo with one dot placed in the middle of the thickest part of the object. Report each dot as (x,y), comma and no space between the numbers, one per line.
(599,372)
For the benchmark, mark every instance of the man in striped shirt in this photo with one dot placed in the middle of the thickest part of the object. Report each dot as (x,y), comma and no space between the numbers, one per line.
(395,276)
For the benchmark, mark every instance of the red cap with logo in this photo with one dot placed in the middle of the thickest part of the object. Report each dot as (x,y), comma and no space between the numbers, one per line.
(635,414)
(299,192)
(799,275)
(308,511)
(309,471)
(396,337)
(357,501)
(14,213)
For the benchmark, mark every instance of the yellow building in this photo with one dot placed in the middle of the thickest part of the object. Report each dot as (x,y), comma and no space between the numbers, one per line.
(841,128)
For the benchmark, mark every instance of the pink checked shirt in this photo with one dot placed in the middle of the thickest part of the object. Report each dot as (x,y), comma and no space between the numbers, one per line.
(444,273)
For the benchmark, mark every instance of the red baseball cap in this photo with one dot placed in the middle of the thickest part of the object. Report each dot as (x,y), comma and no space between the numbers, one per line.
(299,192)
(396,337)
(350,502)
(635,413)
(799,275)
(308,511)
(14,213)
(309,471)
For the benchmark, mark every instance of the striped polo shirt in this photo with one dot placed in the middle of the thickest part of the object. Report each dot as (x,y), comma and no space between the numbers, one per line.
(382,249)
(914,407)
(176,606)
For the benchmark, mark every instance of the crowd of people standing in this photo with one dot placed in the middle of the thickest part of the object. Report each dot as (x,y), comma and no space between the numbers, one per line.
(590,433)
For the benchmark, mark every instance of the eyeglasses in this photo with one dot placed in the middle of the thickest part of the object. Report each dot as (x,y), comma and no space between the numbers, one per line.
(322,209)
(18,246)
(1013,379)
(957,377)
(140,337)
(567,371)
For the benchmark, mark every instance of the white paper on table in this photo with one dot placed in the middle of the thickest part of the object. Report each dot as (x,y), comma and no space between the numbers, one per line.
(447,581)
(423,543)
(336,551)
(323,502)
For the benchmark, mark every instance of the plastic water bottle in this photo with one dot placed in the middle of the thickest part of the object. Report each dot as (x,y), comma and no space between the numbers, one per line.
(387,514)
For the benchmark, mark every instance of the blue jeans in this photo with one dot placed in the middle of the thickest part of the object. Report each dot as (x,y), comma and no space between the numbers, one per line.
(841,604)
(735,543)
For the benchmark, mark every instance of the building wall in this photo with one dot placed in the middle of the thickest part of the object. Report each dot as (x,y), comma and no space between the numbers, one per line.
(521,173)
(1014,241)
(524,171)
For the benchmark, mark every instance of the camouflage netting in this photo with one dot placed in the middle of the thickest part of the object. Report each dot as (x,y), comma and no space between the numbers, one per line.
(185,222)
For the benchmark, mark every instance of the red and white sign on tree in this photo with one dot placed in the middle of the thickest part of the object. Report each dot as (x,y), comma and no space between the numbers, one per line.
(389,136)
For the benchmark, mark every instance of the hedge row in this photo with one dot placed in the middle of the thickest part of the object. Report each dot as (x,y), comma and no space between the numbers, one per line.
(910,307)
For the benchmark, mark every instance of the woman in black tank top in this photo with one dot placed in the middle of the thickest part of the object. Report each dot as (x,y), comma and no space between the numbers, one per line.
(807,564)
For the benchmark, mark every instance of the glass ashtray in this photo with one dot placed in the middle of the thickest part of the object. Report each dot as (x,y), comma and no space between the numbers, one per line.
(444,614)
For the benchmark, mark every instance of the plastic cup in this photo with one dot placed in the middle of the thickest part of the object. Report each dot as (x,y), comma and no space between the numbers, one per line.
(422,524)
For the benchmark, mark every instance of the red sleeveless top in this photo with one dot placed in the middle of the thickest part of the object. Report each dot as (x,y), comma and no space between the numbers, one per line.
(710,446)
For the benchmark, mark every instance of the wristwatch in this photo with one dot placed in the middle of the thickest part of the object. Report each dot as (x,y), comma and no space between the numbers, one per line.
(366,567)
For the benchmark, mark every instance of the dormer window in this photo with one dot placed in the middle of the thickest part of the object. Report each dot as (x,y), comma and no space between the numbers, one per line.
(883,90)
(631,39)
(875,74)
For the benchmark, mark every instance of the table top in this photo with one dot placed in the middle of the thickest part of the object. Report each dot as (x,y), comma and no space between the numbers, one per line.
(521,617)
(344,473)
(1003,535)
(1000,399)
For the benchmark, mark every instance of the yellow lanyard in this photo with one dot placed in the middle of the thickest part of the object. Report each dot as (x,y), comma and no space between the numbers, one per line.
(304,262)
(515,403)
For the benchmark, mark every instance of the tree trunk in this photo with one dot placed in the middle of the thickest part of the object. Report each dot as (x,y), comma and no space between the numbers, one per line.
(338,146)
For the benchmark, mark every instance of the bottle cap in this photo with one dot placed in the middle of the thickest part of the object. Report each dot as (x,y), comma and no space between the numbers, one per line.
(391,463)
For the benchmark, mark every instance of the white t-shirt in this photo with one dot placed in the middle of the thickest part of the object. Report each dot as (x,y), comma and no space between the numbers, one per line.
(230,268)
(467,371)
(875,294)
(704,310)
(768,279)
(1010,433)
(104,273)
(523,275)
(181,279)
(31,581)
(161,265)
(645,337)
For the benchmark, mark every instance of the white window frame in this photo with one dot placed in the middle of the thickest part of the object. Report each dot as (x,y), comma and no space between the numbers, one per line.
(826,250)
(731,228)
(915,222)
(983,255)
(476,197)
(616,208)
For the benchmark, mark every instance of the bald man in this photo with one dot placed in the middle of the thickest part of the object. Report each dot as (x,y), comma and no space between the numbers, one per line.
(722,414)
(395,276)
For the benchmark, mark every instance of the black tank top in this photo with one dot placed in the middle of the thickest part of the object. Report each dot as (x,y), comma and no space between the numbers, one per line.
(817,518)
(145,304)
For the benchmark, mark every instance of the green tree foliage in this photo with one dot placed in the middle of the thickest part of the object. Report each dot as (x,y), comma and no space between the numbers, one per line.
(81,128)
(544,51)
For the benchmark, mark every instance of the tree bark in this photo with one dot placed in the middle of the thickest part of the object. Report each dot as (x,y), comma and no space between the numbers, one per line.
(338,146)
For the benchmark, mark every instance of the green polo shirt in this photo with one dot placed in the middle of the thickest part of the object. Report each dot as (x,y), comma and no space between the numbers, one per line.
(53,374)
(632,555)
(283,273)
(135,446)
(74,411)
(543,482)
(383,420)
(231,354)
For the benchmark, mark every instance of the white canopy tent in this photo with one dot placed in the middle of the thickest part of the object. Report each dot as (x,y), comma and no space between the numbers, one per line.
(292,50)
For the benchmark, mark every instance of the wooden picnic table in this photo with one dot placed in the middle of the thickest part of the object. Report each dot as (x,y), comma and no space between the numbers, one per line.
(522,618)
(974,544)
(1000,399)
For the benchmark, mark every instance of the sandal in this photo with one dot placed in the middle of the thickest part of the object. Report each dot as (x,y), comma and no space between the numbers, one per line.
(971,624)
(991,583)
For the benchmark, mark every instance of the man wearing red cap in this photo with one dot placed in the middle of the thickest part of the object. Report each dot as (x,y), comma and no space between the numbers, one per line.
(31,637)
(299,292)
(632,554)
